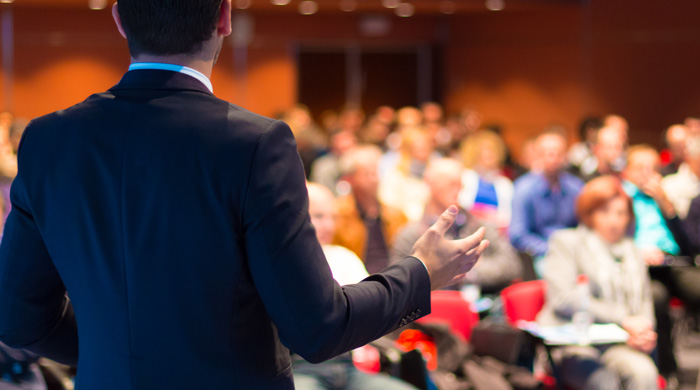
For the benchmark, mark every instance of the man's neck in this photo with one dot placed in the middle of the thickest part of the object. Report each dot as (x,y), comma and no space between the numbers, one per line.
(552,179)
(203,66)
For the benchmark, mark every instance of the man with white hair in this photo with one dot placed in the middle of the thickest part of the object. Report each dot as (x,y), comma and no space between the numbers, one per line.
(366,225)
(499,264)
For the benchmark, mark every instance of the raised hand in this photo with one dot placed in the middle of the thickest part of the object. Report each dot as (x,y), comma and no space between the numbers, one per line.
(448,260)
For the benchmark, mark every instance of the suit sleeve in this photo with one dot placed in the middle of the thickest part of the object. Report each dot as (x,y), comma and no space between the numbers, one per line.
(36,313)
(315,317)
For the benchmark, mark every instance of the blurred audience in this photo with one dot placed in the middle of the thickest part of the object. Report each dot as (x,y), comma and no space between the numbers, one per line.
(311,140)
(402,183)
(684,185)
(543,202)
(588,133)
(498,266)
(675,139)
(326,170)
(486,192)
(619,291)
(338,373)
(608,156)
(366,226)
(652,208)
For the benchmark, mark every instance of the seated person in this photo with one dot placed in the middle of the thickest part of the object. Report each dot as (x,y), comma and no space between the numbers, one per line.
(608,155)
(658,231)
(543,202)
(684,185)
(339,372)
(499,265)
(401,186)
(487,193)
(620,293)
(366,226)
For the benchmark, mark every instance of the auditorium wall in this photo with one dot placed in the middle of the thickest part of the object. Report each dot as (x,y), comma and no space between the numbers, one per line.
(523,70)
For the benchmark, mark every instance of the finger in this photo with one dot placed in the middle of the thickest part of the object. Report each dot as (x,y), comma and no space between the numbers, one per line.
(479,249)
(472,242)
(446,220)
(457,279)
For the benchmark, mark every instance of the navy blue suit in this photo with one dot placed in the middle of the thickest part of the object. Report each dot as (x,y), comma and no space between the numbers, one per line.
(177,225)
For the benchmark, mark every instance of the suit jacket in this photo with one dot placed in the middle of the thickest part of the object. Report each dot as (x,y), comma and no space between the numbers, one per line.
(177,223)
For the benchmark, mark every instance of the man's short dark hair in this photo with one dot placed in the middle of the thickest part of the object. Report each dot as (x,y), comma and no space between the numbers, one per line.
(168,27)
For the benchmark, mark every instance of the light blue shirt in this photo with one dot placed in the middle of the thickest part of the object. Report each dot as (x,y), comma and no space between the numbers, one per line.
(652,231)
(174,68)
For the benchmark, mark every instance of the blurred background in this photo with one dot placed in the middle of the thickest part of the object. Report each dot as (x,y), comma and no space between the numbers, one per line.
(523,64)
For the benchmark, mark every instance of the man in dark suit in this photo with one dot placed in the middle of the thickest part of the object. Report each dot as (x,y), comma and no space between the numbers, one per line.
(177,224)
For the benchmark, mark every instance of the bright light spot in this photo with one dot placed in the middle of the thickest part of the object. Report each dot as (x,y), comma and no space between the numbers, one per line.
(448,7)
(348,5)
(308,7)
(495,5)
(405,10)
(243,4)
(391,3)
(280,2)
(97,4)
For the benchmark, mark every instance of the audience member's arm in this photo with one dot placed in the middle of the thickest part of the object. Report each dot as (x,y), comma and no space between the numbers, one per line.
(653,187)
(561,273)
(520,231)
(37,315)
(316,318)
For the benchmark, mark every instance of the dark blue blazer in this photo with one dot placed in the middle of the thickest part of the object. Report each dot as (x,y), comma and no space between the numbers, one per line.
(177,224)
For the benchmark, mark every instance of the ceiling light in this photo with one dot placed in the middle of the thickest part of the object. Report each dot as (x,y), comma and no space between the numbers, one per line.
(348,5)
(448,7)
(391,3)
(495,5)
(97,4)
(280,2)
(405,10)
(7,1)
(308,7)
(243,4)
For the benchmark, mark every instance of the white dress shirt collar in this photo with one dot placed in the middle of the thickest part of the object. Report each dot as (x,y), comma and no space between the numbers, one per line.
(174,68)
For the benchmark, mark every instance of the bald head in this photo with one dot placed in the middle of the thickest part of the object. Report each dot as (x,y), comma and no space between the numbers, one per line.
(444,179)
(610,145)
(322,211)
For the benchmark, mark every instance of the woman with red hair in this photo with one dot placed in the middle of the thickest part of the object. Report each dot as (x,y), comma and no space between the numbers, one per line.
(603,250)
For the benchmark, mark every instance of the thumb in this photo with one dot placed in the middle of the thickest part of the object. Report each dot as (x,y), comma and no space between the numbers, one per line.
(446,220)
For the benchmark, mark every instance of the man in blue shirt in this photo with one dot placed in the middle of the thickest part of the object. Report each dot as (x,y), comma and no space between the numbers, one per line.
(543,200)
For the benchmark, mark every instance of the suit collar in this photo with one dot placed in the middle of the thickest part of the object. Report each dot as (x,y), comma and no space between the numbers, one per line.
(160,79)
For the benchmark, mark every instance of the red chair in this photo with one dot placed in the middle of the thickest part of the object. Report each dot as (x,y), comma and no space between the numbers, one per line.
(523,301)
(450,308)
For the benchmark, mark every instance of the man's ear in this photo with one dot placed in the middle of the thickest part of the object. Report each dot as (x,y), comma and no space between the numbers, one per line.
(223,27)
(118,20)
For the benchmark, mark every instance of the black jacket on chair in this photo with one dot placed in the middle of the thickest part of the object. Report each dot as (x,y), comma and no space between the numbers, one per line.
(177,225)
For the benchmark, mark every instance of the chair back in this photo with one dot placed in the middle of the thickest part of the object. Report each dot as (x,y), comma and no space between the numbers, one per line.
(523,301)
(449,307)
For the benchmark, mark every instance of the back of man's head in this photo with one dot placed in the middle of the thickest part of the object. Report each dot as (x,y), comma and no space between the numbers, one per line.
(168,27)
